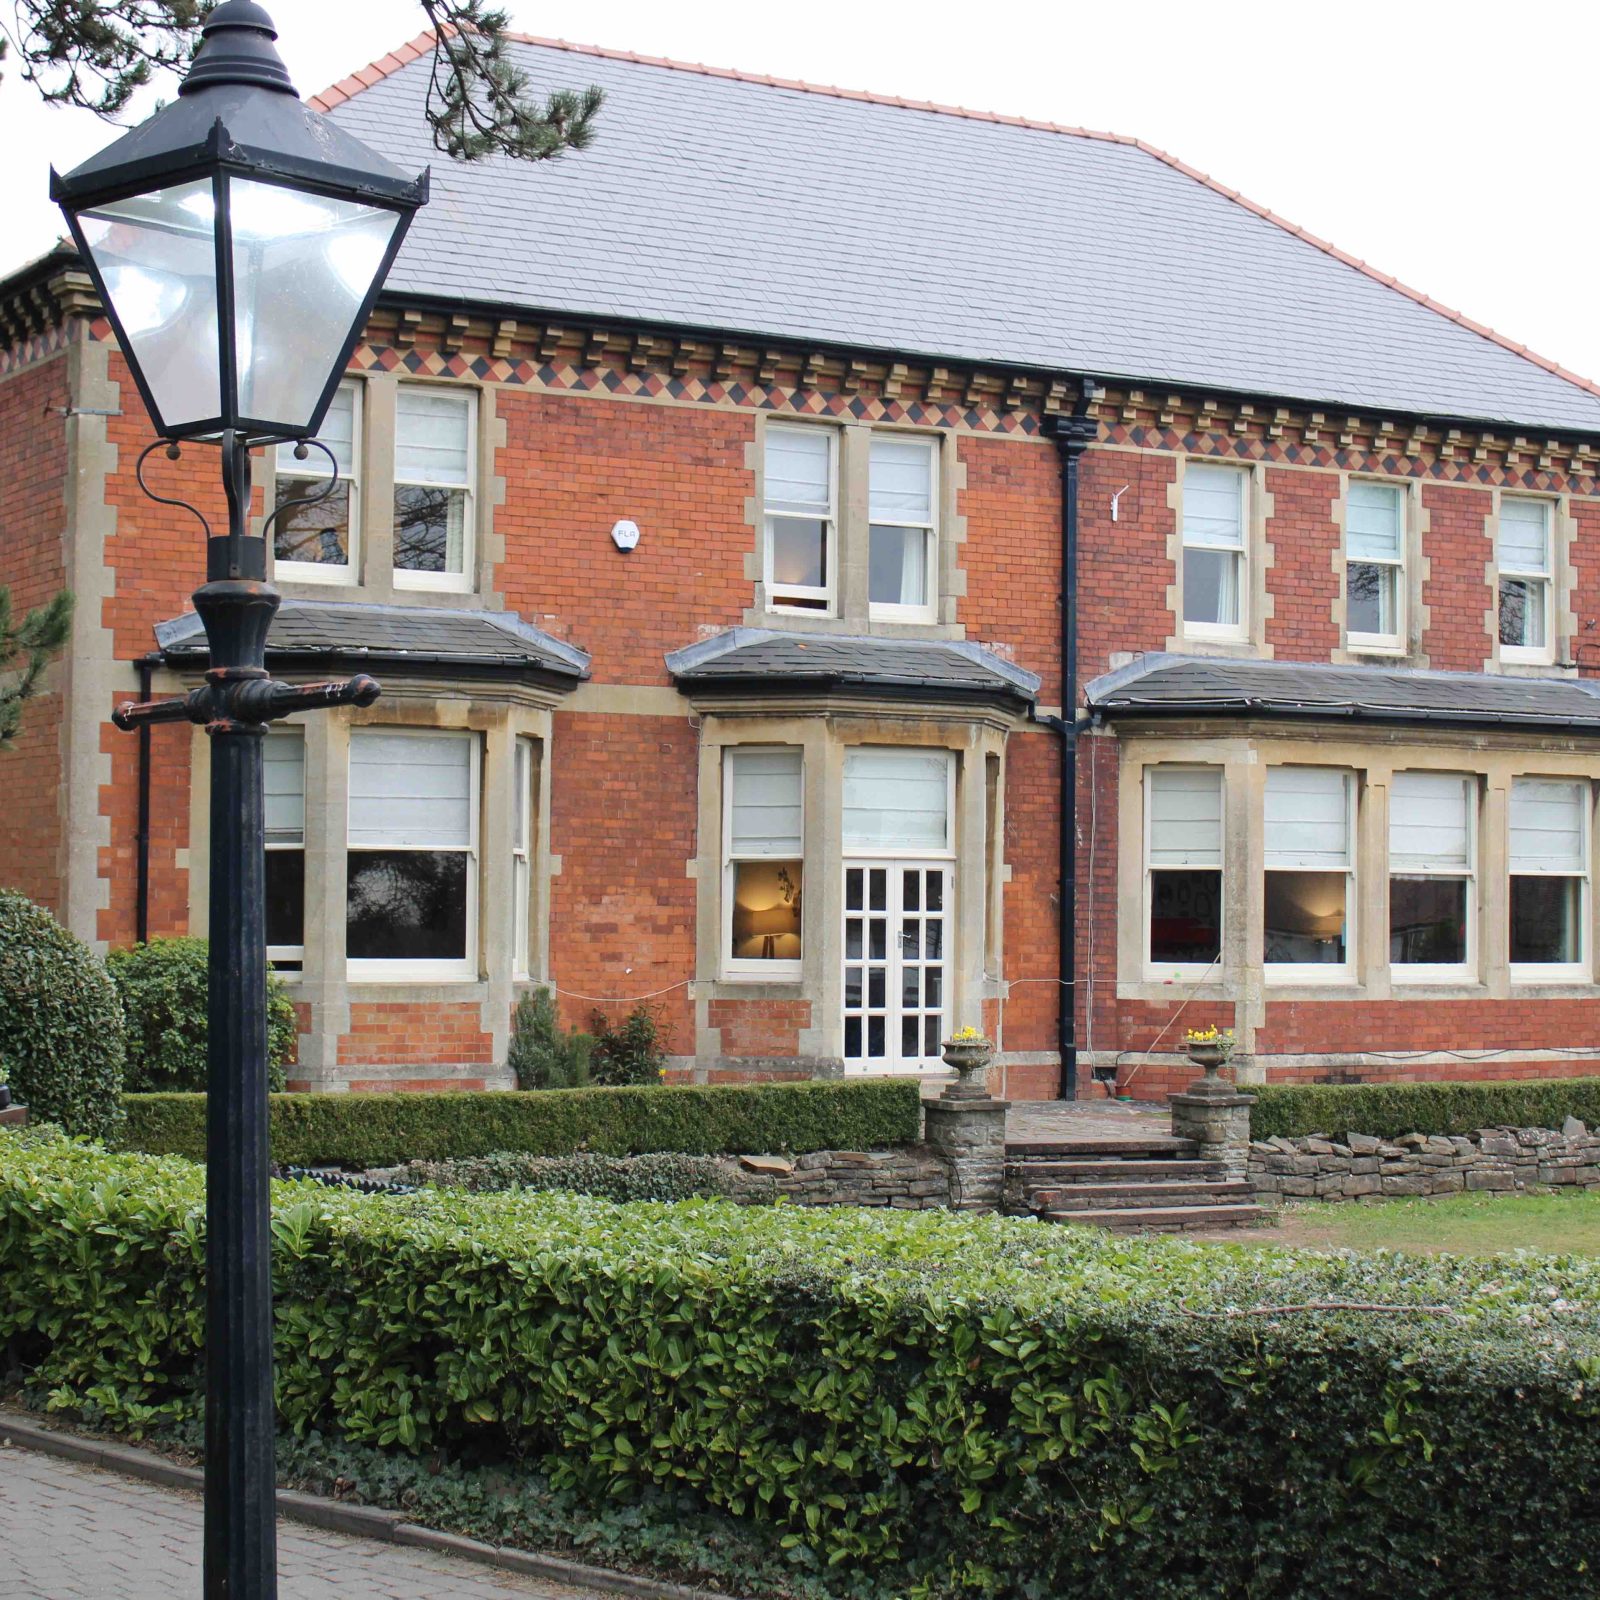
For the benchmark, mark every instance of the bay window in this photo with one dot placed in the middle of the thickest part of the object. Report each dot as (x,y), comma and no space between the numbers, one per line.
(902,556)
(1549,862)
(317,543)
(1432,863)
(284,795)
(800,476)
(412,887)
(1308,885)
(434,465)
(1215,542)
(763,861)
(1526,570)
(1374,565)
(1183,866)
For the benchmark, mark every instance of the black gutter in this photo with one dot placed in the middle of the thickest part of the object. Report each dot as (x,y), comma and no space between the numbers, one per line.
(1073,435)
(141,837)
(1482,721)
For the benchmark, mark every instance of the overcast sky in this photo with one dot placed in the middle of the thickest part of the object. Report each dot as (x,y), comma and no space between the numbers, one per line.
(1452,145)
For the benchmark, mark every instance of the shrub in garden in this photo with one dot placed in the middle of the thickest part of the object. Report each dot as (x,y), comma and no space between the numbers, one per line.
(1388,1110)
(631,1051)
(945,1404)
(541,1055)
(382,1130)
(163,990)
(660,1175)
(60,1022)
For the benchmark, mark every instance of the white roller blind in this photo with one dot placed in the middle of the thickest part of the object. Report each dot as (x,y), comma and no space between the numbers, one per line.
(1548,816)
(799,471)
(433,431)
(764,803)
(1308,819)
(900,486)
(1374,522)
(410,791)
(896,800)
(1524,535)
(1185,818)
(285,787)
(1430,826)
(1213,507)
(338,432)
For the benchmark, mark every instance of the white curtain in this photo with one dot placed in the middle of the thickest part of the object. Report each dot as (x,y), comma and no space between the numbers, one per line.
(897,800)
(1307,819)
(1524,535)
(1430,822)
(765,805)
(285,786)
(1374,522)
(1186,817)
(433,436)
(410,791)
(1548,819)
(798,467)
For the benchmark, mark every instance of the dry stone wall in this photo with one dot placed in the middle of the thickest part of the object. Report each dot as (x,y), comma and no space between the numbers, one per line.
(908,1179)
(1358,1166)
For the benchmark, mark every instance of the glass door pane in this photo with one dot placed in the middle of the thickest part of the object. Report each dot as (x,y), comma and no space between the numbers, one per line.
(896,940)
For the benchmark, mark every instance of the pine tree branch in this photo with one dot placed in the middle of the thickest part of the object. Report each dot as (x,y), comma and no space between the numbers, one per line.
(38,637)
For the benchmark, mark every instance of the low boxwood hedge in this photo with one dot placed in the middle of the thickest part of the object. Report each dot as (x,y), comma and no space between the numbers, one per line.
(921,1404)
(382,1130)
(1391,1109)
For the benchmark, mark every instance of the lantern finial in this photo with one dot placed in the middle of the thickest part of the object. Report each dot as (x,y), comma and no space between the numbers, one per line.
(237,47)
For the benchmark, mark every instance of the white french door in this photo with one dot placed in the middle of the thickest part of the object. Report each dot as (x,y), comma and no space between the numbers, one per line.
(897,927)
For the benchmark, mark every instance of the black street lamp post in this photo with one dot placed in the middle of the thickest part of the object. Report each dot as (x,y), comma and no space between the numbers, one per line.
(238,240)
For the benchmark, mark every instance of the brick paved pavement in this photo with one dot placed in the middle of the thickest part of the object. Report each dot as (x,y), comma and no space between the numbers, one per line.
(71,1532)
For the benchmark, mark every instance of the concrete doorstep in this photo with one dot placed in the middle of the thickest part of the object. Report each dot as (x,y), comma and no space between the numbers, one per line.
(363,1522)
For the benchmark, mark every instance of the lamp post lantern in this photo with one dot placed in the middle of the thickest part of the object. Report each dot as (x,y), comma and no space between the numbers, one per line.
(238,240)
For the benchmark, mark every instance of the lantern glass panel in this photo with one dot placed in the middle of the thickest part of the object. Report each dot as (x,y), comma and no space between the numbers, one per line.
(156,254)
(303,265)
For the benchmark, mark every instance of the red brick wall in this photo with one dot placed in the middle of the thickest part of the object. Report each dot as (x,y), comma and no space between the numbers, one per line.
(414,1033)
(759,1027)
(33,469)
(574,467)
(624,805)
(1123,566)
(1303,581)
(1456,591)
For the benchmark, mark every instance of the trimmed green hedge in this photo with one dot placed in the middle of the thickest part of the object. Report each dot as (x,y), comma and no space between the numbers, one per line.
(919,1404)
(1388,1110)
(382,1130)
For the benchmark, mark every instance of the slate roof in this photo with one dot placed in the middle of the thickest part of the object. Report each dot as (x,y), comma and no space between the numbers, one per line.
(744,658)
(715,200)
(397,636)
(1196,686)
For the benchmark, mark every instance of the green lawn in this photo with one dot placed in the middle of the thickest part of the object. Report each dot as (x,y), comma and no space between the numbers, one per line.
(1458,1224)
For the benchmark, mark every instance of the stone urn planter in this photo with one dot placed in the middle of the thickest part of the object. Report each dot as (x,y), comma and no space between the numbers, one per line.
(1209,1051)
(970,1055)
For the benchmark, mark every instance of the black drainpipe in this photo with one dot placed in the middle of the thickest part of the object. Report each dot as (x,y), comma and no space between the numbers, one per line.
(141,838)
(1073,435)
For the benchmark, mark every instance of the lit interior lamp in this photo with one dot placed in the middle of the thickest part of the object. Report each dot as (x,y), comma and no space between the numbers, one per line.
(768,925)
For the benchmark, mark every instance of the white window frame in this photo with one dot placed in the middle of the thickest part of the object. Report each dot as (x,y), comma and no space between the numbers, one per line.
(522,829)
(884,611)
(1578,971)
(1319,972)
(465,581)
(778,593)
(1530,655)
(1406,973)
(1226,631)
(945,852)
(466,969)
(752,969)
(315,465)
(292,952)
(1380,643)
(1183,971)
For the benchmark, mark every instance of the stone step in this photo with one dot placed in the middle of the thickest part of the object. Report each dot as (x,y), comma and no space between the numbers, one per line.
(1110,1171)
(1159,1145)
(1169,1220)
(1138,1196)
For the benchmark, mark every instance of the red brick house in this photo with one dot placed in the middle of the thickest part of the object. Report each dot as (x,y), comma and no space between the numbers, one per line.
(710,500)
